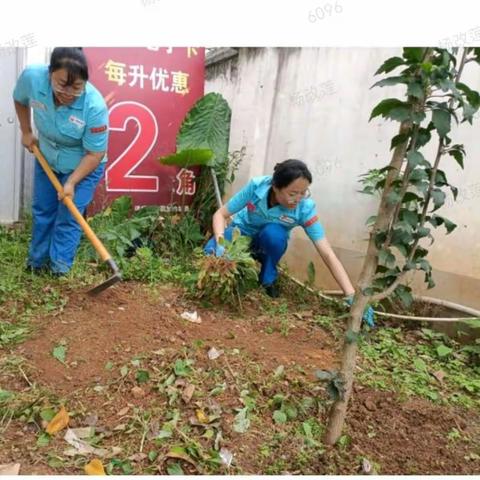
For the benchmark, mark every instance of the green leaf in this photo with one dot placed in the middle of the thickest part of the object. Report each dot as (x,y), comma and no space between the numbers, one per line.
(188,158)
(207,125)
(279,416)
(404,294)
(47,414)
(182,367)
(393,198)
(386,106)
(410,216)
(43,440)
(422,232)
(458,156)
(5,395)
(386,258)
(307,429)
(390,81)
(410,197)
(241,422)
(55,462)
(152,455)
(415,89)
(442,121)
(142,376)
(399,139)
(443,351)
(109,365)
(419,365)
(415,159)
(124,371)
(390,65)
(175,469)
(59,352)
(371,220)
(424,136)
(413,54)
(438,198)
(400,113)
(311,273)
(291,412)
(449,225)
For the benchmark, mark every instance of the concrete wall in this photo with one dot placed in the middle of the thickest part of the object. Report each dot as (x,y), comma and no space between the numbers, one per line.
(10,150)
(314,104)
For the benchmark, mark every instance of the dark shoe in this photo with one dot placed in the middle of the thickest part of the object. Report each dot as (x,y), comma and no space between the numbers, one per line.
(272,290)
(36,270)
(58,274)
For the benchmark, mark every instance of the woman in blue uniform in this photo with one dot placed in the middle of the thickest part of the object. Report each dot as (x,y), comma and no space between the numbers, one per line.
(266,210)
(71,117)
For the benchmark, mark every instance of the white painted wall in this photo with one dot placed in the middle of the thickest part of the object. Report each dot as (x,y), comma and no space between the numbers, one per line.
(333,136)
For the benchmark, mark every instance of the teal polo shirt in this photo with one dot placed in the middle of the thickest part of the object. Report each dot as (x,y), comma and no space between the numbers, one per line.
(250,209)
(67,132)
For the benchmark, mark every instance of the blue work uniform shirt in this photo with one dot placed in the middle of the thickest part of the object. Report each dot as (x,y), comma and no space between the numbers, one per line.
(66,132)
(250,206)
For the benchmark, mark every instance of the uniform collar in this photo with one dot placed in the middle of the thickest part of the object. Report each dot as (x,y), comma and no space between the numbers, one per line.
(262,191)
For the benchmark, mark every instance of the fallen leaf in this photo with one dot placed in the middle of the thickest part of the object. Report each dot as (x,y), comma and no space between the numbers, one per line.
(138,392)
(367,467)
(439,375)
(188,392)
(91,419)
(201,417)
(95,467)
(213,353)
(137,457)
(10,469)
(226,456)
(123,411)
(59,352)
(81,447)
(191,317)
(83,432)
(58,422)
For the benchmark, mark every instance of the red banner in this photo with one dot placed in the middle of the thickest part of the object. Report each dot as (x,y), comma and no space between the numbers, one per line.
(148,92)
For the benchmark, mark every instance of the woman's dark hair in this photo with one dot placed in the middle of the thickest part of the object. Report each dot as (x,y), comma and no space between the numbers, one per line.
(286,172)
(73,60)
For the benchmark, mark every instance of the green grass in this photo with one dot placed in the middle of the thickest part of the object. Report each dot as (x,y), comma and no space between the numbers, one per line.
(393,362)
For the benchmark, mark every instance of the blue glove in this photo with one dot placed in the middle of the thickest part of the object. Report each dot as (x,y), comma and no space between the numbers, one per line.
(368,314)
(219,250)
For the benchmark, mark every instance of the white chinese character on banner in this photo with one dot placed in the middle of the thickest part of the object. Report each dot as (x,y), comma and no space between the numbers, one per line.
(191,51)
(186,182)
(158,78)
(136,72)
(115,72)
(180,83)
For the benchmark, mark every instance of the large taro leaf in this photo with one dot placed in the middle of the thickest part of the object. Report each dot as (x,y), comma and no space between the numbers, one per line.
(207,126)
(189,158)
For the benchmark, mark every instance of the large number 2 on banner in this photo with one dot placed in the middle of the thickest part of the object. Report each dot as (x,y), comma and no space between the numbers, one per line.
(118,176)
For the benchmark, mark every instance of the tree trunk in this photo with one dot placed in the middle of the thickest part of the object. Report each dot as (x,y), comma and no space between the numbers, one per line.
(349,355)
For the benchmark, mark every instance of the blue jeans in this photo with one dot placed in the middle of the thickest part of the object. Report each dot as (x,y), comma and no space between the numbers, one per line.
(55,233)
(268,247)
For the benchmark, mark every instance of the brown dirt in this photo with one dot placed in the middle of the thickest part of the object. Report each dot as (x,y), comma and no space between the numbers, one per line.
(129,319)
(401,437)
